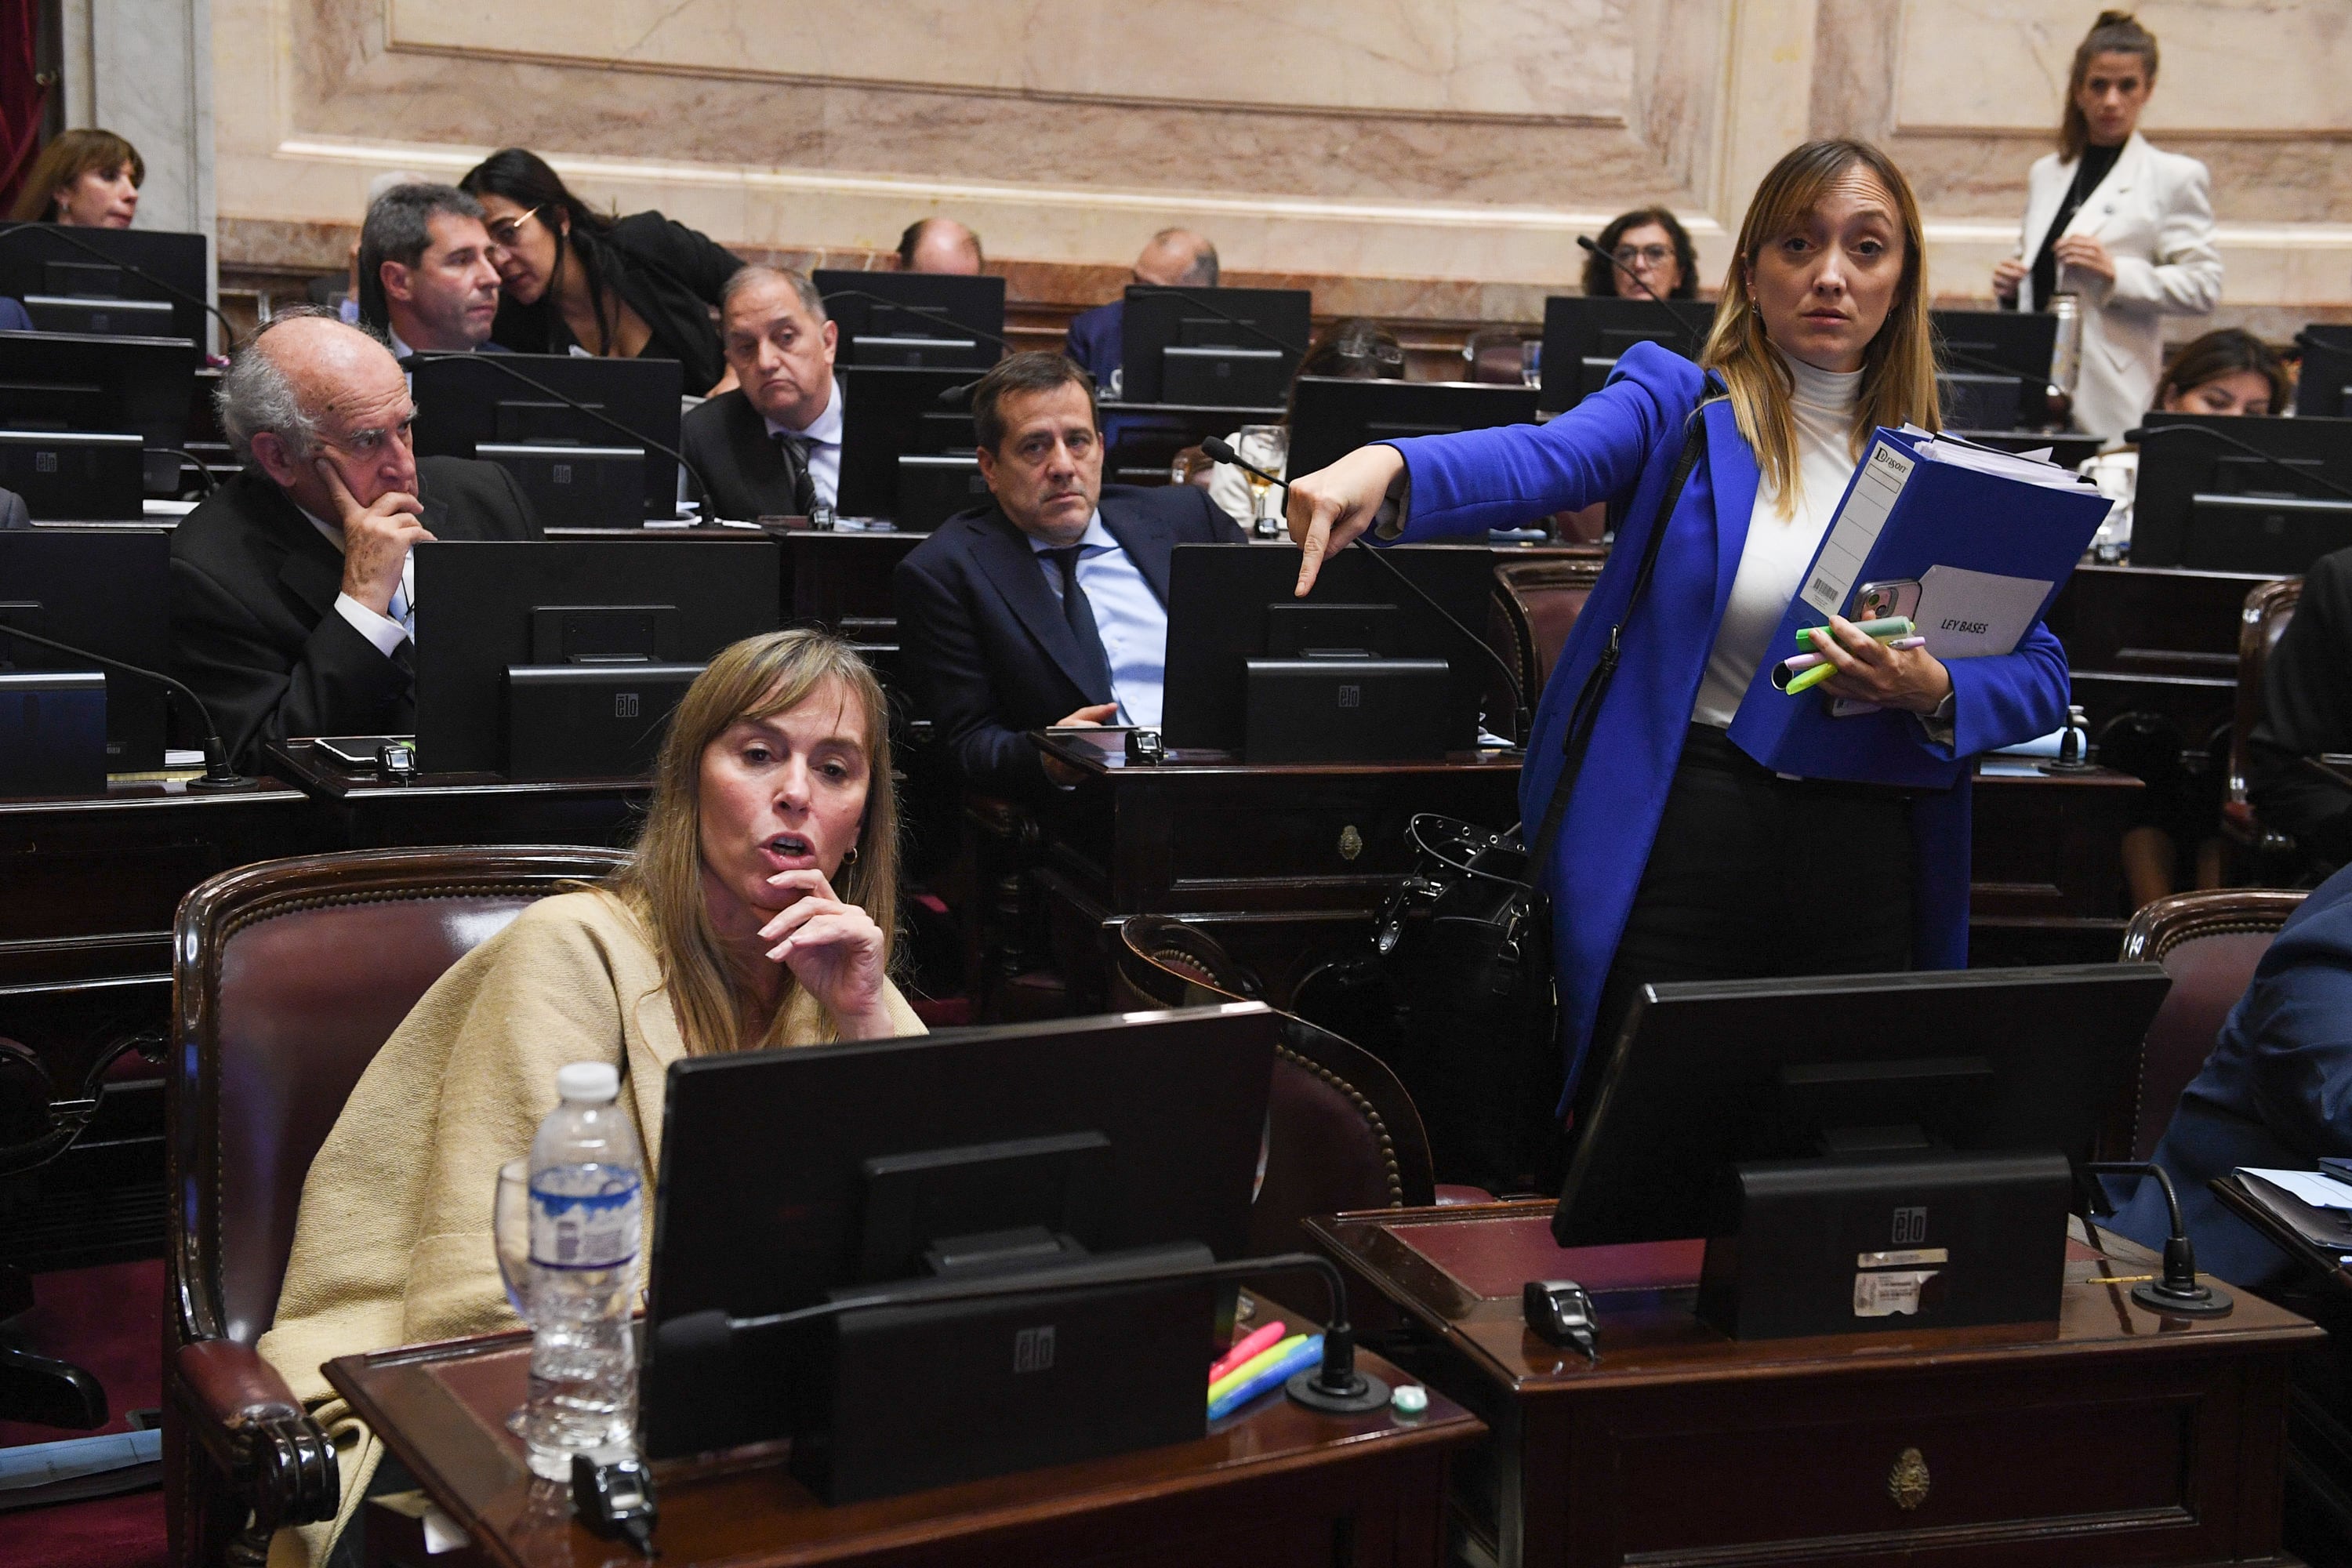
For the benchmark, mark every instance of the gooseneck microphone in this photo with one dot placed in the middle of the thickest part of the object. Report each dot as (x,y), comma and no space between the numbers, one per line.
(2178,1290)
(936,312)
(1222,452)
(496,363)
(2138,435)
(1193,298)
(219,777)
(1335,1387)
(1697,329)
(229,339)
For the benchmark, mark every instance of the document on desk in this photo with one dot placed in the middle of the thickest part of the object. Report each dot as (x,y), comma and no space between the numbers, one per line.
(2321,1191)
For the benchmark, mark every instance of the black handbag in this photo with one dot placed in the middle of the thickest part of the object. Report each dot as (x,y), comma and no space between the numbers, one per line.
(1465,943)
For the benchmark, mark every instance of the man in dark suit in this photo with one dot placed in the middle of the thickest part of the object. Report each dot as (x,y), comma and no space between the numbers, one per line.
(771,445)
(2307,711)
(1051,607)
(1175,259)
(292,589)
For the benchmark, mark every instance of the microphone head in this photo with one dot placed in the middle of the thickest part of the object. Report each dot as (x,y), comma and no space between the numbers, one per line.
(1219,449)
(1587,241)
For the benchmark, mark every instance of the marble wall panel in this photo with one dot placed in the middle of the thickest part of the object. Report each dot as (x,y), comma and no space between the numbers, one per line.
(1534,58)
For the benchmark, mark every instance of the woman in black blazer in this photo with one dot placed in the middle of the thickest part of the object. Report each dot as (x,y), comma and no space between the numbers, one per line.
(631,287)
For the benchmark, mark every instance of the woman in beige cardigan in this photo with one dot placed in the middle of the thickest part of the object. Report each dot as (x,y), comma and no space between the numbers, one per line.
(757,910)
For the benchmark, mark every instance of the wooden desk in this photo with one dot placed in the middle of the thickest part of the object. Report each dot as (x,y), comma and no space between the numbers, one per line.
(2113,1436)
(1282,862)
(1276,1484)
(359,810)
(89,885)
(2154,639)
(2045,874)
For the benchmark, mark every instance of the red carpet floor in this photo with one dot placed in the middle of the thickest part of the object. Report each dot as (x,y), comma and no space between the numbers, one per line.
(109,1322)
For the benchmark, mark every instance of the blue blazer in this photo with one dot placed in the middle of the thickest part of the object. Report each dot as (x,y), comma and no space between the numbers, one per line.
(1098,341)
(14,317)
(1620,445)
(2276,1094)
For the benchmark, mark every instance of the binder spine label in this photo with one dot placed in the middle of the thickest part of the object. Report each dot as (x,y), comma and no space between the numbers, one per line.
(1876,488)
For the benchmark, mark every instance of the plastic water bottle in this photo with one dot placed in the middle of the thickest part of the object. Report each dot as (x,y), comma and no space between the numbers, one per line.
(587,1223)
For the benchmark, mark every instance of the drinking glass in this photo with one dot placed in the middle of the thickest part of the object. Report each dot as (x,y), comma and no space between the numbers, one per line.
(1267,446)
(1530,362)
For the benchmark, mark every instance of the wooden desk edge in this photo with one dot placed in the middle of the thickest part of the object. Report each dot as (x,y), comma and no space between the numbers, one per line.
(1447,1425)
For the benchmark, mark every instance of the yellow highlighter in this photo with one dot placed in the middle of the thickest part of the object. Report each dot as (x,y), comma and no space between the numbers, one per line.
(1255,1365)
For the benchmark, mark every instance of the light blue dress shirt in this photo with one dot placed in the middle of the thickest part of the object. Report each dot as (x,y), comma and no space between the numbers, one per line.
(1128,616)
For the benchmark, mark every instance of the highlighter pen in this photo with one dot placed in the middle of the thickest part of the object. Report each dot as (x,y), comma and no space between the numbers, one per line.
(1306,1354)
(1253,1366)
(1244,1349)
(1810,678)
(1883,628)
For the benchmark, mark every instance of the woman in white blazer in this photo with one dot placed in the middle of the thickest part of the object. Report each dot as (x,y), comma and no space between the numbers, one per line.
(2127,230)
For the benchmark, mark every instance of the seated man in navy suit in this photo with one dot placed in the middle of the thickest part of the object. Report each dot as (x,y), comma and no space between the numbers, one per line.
(2276,1093)
(1175,259)
(1051,607)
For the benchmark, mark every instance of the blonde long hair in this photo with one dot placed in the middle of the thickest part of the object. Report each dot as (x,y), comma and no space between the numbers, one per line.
(1898,366)
(662,883)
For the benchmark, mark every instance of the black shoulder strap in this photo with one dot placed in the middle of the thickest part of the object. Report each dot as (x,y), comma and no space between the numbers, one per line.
(1587,712)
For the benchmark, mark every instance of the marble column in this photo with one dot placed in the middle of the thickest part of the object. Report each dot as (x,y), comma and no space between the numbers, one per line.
(144,69)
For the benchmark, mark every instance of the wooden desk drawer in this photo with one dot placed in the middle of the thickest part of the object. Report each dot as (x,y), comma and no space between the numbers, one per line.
(1965,1467)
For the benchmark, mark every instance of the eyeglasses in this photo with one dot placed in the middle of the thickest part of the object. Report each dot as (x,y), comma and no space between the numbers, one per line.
(504,230)
(1630,255)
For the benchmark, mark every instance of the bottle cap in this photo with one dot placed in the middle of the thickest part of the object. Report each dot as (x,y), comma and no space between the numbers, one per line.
(1410,1400)
(598,1083)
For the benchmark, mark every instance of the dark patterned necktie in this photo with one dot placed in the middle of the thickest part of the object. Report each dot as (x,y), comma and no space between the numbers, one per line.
(794,451)
(1080,613)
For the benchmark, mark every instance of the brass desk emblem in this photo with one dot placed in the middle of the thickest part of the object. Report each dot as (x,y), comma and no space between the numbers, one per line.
(1909,1481)
(1351,843)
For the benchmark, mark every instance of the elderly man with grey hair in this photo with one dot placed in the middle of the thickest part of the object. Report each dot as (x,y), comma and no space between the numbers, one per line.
(293,590)
(1172,258)
(771,446)
(428,277)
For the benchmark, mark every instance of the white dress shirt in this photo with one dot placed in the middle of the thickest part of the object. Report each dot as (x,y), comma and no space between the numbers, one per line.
(1778,548)
(1129,617)
(386,632)
(823,440)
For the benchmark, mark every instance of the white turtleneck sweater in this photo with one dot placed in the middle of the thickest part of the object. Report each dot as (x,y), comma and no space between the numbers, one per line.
(1772,562)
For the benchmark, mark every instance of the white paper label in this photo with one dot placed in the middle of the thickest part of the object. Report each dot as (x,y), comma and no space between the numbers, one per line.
(598,1231)
(1970,615)
(1885,1292)
(1877,486)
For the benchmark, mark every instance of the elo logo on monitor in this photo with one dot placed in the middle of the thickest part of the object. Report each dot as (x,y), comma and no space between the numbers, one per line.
(1033,1350)
(1352,696)
(625,705)
(1910,1225)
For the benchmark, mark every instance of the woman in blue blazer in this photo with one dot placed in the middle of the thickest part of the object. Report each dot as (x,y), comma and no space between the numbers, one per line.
(1680,857)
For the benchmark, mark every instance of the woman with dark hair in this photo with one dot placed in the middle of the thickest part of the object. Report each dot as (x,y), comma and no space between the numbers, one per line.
(1652,244)
(640,286)
(2123,229)
(1678,856)
(84,179)
(757,911)
(2230,372)
(1354,348)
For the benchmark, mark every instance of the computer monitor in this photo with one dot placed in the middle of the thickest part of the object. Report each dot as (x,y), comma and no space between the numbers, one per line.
(2324,388)
(103,386)
(2011,344)
(40,261)
(1330,416)
(907,444)
(105,590)
(485,607)
(1584,334)
(915,320)
(1229,346)
(2203,501)
(787,1175)
(467,400)
(1705,1075)
(1231,605)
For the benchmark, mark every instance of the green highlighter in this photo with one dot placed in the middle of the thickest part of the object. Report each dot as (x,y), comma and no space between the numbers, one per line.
(1884,629)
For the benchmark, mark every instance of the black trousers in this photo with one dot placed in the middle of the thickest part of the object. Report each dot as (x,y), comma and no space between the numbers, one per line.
(1755,876)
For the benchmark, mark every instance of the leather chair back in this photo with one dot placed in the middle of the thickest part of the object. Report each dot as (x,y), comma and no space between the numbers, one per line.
(1492,355)
(1343,1134)
(287,976)
(1539,601)
(2210,943)
(2260,624)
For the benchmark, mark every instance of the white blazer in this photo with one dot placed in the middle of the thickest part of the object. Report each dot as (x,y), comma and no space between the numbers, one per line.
(2154,212)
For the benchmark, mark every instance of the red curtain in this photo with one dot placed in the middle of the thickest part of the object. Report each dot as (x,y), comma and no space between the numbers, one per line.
(23,96)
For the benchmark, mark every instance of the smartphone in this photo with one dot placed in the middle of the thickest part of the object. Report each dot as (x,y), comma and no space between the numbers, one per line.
(1876,601)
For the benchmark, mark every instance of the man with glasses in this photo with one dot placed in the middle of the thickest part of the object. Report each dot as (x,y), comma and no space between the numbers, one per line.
(293,591)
